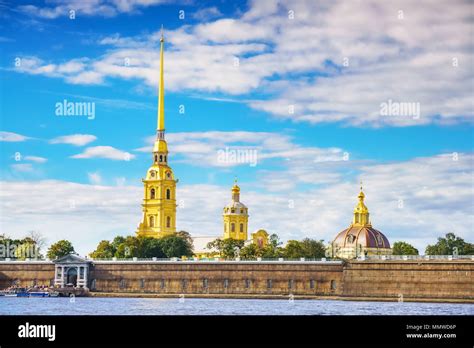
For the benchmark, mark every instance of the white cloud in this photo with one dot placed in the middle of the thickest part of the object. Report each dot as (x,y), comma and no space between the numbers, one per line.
(12,137)
(36,159)
(301,61)
(94,178)
(74,139)
(22,167)
(232,30)
(433,190)
(86,78)
(108,152)
(227,149)
(207,13)
(101,8)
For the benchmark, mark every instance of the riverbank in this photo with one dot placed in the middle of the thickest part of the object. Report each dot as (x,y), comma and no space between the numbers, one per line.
(275,297)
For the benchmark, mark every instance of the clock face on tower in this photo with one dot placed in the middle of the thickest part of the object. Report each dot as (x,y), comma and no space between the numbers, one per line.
(152,173)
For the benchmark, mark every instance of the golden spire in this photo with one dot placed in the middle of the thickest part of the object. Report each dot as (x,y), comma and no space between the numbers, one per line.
(161,91)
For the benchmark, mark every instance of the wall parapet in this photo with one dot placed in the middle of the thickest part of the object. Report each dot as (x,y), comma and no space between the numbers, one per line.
(416,257)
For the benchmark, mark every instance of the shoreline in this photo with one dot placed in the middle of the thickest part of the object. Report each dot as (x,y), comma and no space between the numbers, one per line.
(277,297)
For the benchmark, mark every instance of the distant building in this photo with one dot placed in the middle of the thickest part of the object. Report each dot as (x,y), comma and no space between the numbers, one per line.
(360,238)
(200,247)
(260,238)
(235,217)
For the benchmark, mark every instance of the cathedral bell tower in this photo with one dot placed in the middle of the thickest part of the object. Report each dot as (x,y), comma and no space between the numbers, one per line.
(235,217)
(159,202)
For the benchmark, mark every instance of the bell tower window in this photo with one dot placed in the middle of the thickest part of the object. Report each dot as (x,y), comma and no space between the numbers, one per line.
(232,227)
(152,193)
(168,221)
(161,158)
(168,194)
(156,158)
(152,221)
(241,227)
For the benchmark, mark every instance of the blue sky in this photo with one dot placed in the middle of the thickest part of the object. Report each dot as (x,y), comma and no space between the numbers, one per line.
(237,68)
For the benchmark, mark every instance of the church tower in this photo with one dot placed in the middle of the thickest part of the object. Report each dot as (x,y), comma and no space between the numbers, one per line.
(159,202)
(235,217)
(360,239)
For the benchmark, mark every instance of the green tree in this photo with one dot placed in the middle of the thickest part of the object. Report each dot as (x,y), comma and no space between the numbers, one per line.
(307,248)
(8,247)
(128,248)
(150,247)
(403,248)
(27,249)
(293,249)
(273,249)
(117,241)
(447,245)
(313,249)
(60,249)
(251,252)
(105,250)
(176,246)
(227,248)
(188,239)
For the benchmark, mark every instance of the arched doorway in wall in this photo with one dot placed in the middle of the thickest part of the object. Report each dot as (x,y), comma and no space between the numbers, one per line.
(72,276)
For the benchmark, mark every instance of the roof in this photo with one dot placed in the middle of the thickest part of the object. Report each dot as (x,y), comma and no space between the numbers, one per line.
(200,244)
(234,204)
(71,258)
(365,235)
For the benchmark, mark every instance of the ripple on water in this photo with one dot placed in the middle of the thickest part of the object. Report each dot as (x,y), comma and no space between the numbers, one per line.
(195,306)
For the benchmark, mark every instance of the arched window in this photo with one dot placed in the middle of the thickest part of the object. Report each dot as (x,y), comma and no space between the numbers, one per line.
(168,194)
(165,158)
(232,227)
(152,193)
(168,221)
(152,221)
(161,158)
(156,158)
(232,210)
(241,227)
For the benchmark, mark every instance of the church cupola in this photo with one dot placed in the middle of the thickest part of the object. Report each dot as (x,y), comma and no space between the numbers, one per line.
(360,238)
(361,213)
(235,192)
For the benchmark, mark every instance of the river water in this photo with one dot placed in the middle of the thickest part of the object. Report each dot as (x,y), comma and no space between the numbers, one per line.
(197,306)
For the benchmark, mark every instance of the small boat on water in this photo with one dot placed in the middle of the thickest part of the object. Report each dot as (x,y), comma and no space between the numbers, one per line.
(43,292)
(16,292)
(31,292)
(38,294)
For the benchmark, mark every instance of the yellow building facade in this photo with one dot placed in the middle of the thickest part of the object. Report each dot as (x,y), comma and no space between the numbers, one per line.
(236,217)
(159,197)
(260,238)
